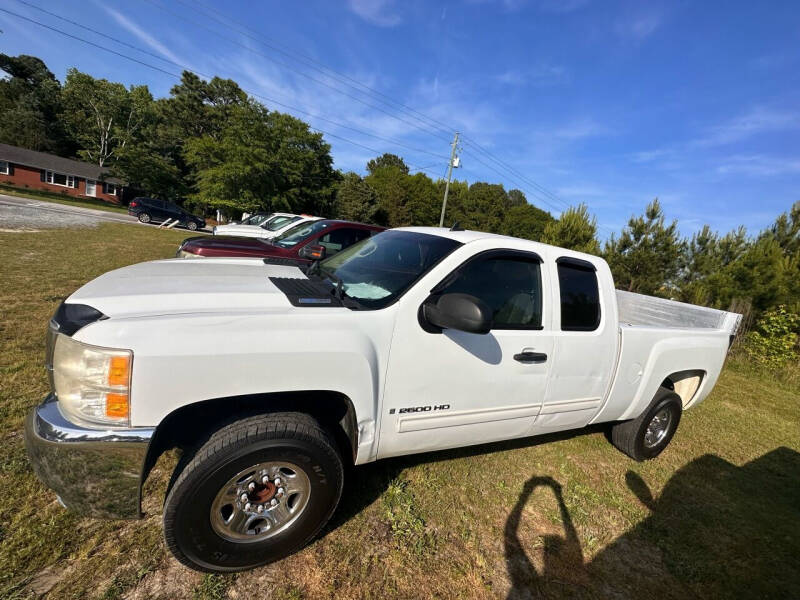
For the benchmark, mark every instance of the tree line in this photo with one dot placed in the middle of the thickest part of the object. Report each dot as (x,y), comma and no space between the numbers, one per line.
(209,146)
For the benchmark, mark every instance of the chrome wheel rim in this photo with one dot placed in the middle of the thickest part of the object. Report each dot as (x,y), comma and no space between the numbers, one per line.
(657,428)
(260,501)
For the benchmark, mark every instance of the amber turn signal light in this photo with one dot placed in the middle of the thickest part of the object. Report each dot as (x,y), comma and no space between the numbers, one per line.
(117,405)
(118,371)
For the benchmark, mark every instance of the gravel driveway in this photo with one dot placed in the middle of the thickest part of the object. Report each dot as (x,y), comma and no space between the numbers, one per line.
(23,214)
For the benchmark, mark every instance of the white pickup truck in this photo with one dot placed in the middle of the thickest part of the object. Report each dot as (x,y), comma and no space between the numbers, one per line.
(273,381)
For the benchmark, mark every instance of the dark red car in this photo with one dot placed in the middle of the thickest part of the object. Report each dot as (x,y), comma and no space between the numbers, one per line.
(301,244)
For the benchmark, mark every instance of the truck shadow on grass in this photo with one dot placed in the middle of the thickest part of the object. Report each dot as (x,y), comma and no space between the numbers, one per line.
(366,483)
(716,531)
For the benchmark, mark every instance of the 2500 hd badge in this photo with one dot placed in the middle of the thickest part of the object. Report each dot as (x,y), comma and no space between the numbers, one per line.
(416,409)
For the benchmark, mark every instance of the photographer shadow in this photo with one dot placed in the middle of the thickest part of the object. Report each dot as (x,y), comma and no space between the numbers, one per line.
(716,530)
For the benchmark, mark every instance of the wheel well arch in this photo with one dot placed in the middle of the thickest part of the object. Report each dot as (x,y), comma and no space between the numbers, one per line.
(191,425)
(685,383)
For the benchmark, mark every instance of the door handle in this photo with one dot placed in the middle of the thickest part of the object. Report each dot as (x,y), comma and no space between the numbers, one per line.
(531,357)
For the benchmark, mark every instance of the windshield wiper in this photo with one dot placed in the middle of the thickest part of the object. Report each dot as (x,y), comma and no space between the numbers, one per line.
(338,290)
(340,293)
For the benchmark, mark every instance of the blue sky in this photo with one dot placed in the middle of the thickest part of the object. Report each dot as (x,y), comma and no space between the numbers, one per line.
(611,103)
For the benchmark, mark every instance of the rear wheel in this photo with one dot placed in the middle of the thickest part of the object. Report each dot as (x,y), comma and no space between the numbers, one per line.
(646,436)
(260,489)
(191,226)
(144,217)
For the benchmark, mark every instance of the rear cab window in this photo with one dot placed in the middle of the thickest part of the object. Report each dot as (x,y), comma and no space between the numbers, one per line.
(580,294)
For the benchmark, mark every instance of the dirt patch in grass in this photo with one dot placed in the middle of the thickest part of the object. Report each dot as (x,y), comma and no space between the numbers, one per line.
(715,516)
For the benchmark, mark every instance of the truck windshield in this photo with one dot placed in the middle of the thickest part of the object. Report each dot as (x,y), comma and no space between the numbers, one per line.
(379,269)
(298,233)
(276,223)
(256,219)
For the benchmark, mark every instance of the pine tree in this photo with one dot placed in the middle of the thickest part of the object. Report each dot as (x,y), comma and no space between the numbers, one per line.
(646,256)
(575,229)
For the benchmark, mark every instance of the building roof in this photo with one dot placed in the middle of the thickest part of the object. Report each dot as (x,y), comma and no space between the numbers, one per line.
(51,162)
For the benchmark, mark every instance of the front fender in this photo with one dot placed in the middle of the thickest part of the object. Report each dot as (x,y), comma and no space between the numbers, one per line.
(184,359)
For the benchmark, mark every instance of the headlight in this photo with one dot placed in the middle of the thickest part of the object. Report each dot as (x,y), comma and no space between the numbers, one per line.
(184,254)
(92,383)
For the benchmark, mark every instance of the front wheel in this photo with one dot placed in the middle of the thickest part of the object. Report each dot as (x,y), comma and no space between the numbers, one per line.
(646,436)
(260,489)
(191,226)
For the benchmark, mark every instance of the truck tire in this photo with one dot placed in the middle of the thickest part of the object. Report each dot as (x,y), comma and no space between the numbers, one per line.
(647,435)
(258,490)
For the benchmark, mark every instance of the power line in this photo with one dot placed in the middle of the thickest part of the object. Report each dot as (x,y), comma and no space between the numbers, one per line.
(319,66)
(514,171)
(186,68)
(438,124)
(311,62)
(171,74)
(516,183)
(291,68)
(541,190)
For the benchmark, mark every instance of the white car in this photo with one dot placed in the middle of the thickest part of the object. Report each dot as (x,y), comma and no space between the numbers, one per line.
(263,225)
(274,382)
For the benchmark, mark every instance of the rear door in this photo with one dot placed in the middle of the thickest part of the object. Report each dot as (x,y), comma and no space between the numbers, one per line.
(454,388)
(586,344)
(174,211)
(157,211)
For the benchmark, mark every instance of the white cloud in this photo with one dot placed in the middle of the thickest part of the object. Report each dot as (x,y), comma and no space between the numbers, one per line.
(640,26)
(561,6)
(759,165)
(539,76)
(377,12)
(508,5)
(756,121)
(580,129)
(581,191)
(141,34)
(646,156)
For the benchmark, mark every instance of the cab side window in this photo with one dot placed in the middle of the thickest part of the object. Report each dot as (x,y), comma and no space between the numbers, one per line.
(580,296)
(511,286)
(341,238)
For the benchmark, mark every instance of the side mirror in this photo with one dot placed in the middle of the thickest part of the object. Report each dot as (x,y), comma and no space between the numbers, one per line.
(458,311)
(313,252)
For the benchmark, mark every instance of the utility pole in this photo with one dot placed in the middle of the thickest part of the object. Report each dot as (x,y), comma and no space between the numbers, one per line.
(453,163)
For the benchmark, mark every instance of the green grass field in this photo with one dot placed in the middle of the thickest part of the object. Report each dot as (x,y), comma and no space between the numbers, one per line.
(716,516)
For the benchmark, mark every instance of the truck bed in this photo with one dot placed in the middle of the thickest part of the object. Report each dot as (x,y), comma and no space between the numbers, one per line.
(649,311)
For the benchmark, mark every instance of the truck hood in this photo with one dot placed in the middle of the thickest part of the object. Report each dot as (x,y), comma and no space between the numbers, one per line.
(207,245)
(250,230)
(187,286)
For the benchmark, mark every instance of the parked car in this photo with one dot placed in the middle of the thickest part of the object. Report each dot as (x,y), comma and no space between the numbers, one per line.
(263,225)
(153,210)
(302,244)
(273,381)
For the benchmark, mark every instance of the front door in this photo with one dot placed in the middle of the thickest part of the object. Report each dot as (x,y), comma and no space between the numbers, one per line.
(454,388)
(91,188)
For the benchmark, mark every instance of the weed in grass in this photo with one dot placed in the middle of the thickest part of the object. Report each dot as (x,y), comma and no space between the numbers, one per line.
(408,526)
(212,587)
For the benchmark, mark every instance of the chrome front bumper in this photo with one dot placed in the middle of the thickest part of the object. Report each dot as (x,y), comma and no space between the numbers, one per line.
(94,472)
